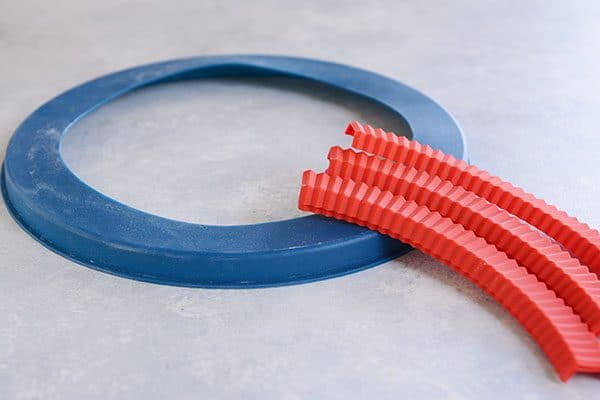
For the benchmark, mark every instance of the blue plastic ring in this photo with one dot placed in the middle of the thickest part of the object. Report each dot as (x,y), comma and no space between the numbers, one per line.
(74,220)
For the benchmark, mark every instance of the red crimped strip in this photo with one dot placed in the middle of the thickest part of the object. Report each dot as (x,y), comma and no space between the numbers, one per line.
(540,255)
(577,237)
(566,341)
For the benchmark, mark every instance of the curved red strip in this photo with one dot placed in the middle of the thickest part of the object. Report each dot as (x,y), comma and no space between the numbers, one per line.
(577,237)
(567,342)
(562,273)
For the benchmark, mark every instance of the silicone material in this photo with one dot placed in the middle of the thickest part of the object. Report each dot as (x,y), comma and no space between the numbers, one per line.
(567,342)
(75,220)
(577,237)
(541,256)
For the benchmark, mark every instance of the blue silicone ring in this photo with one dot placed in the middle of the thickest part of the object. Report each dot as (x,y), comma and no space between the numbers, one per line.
(75,220)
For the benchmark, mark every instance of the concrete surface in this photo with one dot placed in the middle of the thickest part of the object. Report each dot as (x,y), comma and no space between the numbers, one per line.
(521,78)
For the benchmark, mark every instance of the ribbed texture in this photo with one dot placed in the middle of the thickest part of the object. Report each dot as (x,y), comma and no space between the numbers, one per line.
(541,256)
(577,237)
(567,342)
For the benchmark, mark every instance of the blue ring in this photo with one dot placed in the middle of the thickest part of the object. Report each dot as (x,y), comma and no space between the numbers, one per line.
(74,220)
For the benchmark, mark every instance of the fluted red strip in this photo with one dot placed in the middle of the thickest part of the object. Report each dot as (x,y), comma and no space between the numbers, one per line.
(577,237)
(548,261)
(567,342)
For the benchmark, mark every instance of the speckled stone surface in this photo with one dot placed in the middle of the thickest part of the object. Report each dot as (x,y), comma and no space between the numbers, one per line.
(520,78)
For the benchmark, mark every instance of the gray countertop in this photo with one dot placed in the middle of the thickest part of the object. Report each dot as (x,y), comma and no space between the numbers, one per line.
(522,80)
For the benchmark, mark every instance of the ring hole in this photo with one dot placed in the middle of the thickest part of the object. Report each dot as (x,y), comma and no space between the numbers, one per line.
(223,151)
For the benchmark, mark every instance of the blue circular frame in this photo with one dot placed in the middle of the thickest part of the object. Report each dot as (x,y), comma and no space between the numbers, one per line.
(51,203)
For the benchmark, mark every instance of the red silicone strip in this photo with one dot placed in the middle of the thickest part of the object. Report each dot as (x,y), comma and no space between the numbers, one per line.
(577,237)
(540,255)
(567,342)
